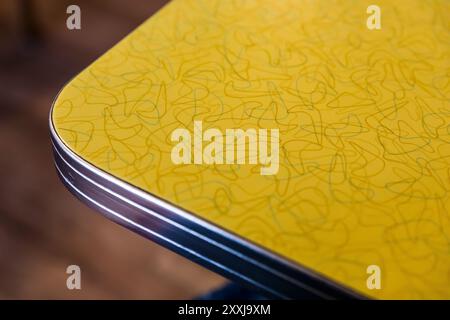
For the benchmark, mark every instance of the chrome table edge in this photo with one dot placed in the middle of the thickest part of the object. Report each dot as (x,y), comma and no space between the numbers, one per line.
(186,234)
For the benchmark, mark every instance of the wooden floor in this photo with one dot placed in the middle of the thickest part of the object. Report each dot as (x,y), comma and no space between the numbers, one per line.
(43,228)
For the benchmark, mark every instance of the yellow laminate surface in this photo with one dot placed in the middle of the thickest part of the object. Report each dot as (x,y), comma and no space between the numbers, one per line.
(363,116)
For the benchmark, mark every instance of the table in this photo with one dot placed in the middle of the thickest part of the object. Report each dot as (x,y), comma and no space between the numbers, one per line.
(357,202)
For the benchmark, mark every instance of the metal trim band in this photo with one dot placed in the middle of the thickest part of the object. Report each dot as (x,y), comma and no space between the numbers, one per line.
(188,235)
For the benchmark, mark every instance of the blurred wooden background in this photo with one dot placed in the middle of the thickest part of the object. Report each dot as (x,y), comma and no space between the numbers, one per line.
(43,228)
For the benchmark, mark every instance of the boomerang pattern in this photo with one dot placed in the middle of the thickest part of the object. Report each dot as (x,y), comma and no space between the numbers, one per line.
(363,118)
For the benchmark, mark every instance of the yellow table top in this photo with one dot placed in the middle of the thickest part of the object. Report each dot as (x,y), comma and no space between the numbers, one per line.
(363,118)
